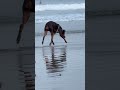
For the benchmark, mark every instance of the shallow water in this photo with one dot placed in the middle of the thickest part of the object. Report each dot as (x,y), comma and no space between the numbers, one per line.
(62,66)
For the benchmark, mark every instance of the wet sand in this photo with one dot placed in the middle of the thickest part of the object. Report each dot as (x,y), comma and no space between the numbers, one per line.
(14,59)
(13,64)
(62,66)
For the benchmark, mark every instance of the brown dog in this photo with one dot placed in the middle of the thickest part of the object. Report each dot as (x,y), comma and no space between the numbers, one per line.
(53,27)
(27,8)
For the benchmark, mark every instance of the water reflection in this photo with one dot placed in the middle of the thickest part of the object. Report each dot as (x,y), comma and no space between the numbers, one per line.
(55,59)
(18,61)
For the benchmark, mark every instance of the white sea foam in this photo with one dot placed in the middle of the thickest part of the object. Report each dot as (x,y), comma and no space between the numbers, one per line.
(64,17)
(59,7)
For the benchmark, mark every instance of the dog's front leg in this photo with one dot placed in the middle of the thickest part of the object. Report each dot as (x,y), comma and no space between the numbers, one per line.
(64,38)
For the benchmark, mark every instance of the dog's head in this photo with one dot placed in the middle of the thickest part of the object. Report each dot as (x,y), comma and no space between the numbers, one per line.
(61,31)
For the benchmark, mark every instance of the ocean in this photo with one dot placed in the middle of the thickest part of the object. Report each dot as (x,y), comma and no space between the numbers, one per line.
(66,13)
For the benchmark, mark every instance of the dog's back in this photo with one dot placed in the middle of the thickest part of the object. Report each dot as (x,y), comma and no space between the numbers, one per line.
(51,26)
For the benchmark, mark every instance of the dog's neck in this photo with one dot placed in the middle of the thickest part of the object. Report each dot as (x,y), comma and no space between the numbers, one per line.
(58,28)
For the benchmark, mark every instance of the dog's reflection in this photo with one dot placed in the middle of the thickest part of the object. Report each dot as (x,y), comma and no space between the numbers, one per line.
(26,67)
(55,59)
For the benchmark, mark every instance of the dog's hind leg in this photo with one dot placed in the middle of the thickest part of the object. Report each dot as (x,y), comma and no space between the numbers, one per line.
(45,33)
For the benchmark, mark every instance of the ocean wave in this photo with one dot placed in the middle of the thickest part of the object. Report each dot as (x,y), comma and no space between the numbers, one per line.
(59,7)
(63,17)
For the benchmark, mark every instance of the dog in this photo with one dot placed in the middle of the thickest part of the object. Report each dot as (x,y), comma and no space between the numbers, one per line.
(27,8)
(53,28)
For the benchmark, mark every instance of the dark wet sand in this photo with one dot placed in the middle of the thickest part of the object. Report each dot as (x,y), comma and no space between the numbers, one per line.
(12,64)
(16,58)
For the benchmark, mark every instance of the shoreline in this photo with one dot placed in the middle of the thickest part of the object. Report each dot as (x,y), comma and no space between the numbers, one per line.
(73,39)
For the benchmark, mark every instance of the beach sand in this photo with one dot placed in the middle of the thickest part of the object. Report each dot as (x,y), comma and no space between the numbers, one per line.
(62,66)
